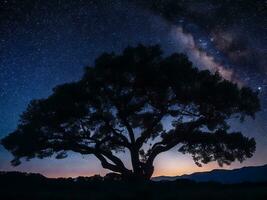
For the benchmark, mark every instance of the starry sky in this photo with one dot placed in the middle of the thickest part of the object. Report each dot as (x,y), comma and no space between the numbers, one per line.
(48,42)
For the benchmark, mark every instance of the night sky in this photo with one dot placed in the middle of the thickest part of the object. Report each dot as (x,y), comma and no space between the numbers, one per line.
(47,42)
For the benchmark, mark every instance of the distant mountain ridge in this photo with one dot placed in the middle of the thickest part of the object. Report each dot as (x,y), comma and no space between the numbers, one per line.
(245,174)
(252,174)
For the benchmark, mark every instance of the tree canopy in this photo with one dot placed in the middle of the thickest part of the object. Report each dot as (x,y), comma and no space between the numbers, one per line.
(141,102)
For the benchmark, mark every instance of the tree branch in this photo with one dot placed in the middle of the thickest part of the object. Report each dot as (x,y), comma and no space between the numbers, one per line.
(147,133)
(124,142)
(105,164)
(129,129)
(173,138)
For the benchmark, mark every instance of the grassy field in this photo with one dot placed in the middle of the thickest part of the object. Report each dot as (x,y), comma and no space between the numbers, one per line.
(41,188)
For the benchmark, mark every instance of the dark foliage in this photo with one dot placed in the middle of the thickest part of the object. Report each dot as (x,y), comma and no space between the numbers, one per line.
(120,104)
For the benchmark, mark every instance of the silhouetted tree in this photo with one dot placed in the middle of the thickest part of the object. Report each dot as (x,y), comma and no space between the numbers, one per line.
(143,103)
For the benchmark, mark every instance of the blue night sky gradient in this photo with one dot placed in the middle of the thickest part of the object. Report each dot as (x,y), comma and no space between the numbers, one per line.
(45,43)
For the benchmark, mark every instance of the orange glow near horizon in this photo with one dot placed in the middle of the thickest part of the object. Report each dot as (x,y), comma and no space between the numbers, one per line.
(163,167)
(167,164)
(170,163)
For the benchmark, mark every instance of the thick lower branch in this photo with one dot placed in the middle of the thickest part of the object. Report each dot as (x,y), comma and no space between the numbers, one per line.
(114,159)
(105,164)
(159,149)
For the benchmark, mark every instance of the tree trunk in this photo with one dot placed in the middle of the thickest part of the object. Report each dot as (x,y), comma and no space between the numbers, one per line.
(144,174)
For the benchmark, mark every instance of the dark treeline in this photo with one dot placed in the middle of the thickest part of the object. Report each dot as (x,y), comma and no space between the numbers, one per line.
(16,185)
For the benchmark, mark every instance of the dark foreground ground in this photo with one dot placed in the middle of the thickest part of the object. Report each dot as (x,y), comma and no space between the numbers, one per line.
(19,186)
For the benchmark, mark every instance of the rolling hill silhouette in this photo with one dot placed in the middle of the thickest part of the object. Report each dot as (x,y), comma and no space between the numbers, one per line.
(245,174)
